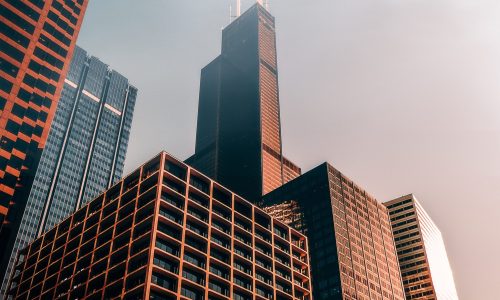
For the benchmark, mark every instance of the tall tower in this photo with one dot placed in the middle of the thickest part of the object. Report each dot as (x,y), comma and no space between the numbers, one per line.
(37,39)
(238,139)
(85,150)
(424,264)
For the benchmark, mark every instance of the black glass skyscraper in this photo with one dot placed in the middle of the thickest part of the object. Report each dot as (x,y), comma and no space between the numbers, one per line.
(238,140)
(352,249)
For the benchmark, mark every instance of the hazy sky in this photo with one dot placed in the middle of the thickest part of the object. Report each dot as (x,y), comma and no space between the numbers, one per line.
(401,96)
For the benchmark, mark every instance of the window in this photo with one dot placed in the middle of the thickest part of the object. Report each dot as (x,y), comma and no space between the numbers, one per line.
(27,10)
(163,281)
(191,293)
(5,85)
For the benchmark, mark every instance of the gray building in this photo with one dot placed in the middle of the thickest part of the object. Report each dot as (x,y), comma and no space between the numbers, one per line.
(85,150)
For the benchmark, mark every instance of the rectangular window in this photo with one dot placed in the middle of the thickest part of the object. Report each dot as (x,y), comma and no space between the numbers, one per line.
(48,58)
(27,10)
(16,19)
(57,34)
(14,35)
(18,110)
(3,101)
(5,85)
(11,51)
(66,13)
(12,127)
(61,23)
(40,69)
(47,42)
(8,68)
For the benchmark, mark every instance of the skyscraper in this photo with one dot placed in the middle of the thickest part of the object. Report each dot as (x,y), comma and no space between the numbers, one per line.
(238,139)
(165,232)
(238,142)
(37,39)
(350,239)
(85,150)
(421,251)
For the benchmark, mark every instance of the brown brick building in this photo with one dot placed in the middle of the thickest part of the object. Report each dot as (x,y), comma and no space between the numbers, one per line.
(165,232)
(37,39)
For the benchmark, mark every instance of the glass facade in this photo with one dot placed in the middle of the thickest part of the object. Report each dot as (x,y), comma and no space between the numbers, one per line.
(422,254)
(350,239)
(238,140)
(85,149)
(165,231)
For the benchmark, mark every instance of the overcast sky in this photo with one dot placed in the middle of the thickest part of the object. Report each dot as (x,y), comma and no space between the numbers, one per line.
(401,96)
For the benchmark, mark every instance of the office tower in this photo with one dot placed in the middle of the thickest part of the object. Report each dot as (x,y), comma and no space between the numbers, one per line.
(421,252)
(350,239)
(165,232)
(37,39)
(238,139)
(85,150)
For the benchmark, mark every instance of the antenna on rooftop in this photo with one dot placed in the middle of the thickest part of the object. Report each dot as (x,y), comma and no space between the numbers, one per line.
(230,13)
(238,11)
(264,3)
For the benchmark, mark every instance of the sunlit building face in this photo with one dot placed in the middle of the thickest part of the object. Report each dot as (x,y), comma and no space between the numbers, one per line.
(424,264)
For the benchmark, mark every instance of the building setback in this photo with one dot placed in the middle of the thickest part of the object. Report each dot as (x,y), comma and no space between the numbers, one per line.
(238,138)
(165,232)
(37,39)
(85,150)
(421,251)
(350,239)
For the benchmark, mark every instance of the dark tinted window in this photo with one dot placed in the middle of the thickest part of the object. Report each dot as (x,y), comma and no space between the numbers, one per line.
(5,85)
(11,51)
(30,12)
(8,68)
(14,34)
(44,40)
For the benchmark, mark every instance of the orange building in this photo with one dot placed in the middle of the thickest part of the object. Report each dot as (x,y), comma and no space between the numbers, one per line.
(165,232)
(37,39)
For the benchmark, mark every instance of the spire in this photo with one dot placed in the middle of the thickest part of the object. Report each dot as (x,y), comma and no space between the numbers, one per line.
(264,3)
(237,14)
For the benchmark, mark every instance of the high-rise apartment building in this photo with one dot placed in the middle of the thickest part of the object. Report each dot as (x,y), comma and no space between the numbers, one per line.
(165,232)
(238,139)
(85,150)
(37,39)
(350,238)
(421,251)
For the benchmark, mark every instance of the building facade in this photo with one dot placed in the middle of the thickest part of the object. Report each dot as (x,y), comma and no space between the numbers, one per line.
(85,150)
(350,239)
(421,251)
(238,139)
(37,39)
(165,232)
